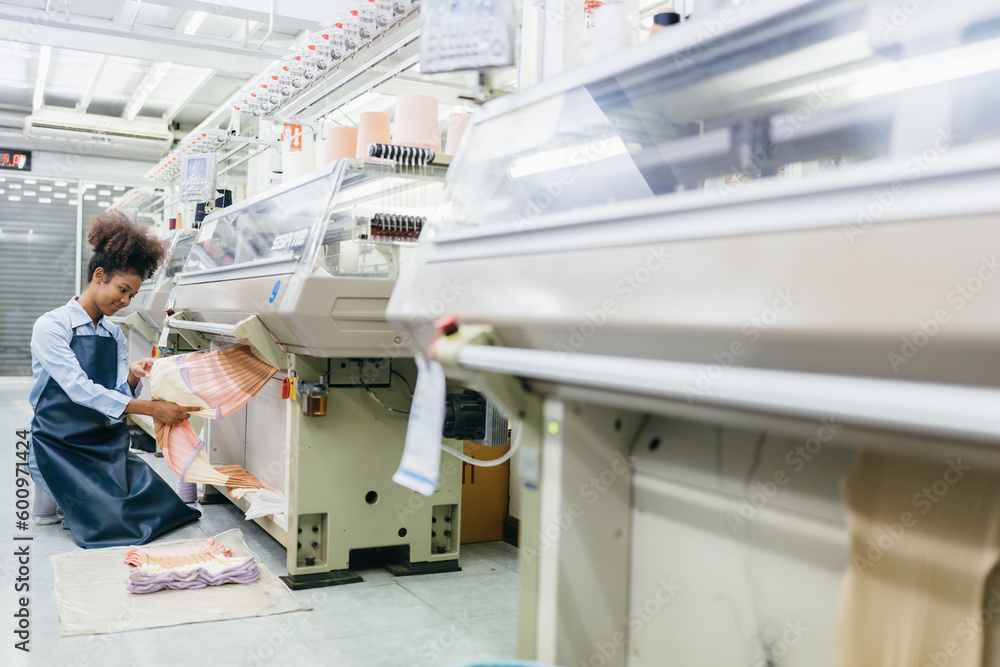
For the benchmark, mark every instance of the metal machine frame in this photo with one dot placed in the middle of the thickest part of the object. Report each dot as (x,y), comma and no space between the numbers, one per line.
(335,470)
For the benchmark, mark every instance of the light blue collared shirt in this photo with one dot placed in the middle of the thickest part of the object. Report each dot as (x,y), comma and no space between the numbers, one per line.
(52,357)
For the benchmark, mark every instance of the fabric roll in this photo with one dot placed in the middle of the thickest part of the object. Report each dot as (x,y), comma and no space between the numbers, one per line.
(416,122)
(188,491)
(373,128)
(925,535)
(338,143)
(294,165)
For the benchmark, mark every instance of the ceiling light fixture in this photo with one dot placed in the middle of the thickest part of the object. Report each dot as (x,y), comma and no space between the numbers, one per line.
(153,77)
(195,23)
(44,57)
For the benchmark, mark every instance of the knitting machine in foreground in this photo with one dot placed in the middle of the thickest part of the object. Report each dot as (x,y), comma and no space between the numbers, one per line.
(741,286)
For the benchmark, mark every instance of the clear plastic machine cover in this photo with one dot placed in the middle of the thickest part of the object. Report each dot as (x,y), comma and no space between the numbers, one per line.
(320,224)
(179,251)
(796,93)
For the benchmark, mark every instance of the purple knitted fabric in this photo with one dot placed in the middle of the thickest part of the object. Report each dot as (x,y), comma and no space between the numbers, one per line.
(246,572)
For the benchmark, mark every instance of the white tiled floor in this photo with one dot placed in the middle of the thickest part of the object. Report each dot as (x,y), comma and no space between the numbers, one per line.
(424,621)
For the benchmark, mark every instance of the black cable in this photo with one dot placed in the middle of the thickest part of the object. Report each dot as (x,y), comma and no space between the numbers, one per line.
(374,396)
(408,387)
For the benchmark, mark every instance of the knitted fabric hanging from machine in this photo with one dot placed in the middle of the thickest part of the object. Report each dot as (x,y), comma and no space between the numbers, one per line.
(220,382)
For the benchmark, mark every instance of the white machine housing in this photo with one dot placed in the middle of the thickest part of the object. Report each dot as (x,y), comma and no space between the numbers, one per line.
(687,264)
(297,273)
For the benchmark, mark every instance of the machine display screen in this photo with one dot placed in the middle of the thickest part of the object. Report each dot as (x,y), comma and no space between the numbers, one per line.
(11,159)
(197,168)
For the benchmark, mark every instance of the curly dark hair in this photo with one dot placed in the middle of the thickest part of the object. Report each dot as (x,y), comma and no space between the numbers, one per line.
(121,246)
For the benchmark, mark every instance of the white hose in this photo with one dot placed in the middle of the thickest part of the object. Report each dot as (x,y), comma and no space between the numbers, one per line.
(488,464)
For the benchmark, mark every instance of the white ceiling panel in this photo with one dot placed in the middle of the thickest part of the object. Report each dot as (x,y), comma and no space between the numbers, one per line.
(177,84)
(99,9)
(155,16)
(222,26)
(120,77)
(70,74)
(220,89)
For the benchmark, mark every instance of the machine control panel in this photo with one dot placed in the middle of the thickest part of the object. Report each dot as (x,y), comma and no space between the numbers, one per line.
(198,178)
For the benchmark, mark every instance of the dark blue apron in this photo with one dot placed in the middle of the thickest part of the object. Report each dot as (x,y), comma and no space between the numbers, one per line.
(109,496)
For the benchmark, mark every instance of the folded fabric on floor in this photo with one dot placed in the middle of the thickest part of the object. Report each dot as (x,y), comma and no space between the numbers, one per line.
(91,587)
(175,556)
(219,382)
(187,567)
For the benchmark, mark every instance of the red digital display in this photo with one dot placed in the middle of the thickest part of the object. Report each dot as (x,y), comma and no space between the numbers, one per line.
(19,160)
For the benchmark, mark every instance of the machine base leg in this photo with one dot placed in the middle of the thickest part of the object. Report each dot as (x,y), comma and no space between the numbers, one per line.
(212,497)
(407,569)
(298,582)
(141,440)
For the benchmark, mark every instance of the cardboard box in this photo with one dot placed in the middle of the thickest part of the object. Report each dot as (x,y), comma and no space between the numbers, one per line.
(485,494)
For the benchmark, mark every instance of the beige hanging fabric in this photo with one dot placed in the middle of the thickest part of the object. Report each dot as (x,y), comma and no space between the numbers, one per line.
(220,382)
(925,536)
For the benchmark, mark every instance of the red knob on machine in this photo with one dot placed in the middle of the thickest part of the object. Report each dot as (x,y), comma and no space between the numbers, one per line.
(447,325)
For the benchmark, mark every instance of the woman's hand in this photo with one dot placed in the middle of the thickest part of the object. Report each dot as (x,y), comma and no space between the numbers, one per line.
(141,368)
(169,413)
